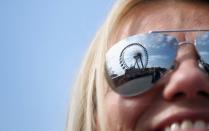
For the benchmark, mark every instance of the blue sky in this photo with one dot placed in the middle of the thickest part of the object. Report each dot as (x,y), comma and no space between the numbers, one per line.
(42,43)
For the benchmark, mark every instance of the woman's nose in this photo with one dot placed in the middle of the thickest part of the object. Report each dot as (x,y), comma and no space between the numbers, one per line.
(187,80)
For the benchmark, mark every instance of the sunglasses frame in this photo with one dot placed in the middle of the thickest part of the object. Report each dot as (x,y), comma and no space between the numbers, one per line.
(201,63)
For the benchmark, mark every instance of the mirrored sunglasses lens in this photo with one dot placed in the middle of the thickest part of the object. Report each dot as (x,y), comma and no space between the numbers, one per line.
(202,46)
(135,64)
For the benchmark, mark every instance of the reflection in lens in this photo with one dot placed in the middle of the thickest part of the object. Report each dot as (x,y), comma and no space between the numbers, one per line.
(202,46)
(134,56)
(134,65)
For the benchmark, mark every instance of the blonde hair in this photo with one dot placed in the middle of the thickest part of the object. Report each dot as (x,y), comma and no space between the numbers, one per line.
(87,100)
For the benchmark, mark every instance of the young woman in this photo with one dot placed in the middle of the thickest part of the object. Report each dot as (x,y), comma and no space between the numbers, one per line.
(146,70)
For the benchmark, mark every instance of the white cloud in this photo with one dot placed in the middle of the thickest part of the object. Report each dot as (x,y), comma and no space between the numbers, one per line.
(154,57)
(204,53)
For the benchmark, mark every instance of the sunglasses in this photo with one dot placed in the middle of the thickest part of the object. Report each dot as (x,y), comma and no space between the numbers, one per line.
(134,64)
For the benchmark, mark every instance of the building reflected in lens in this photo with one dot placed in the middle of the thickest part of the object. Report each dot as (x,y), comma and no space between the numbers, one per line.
(136,73)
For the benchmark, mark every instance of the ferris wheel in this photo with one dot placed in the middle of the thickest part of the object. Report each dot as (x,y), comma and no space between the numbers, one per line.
(134,56)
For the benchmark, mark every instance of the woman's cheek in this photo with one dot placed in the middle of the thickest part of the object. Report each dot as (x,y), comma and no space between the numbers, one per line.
(124,112)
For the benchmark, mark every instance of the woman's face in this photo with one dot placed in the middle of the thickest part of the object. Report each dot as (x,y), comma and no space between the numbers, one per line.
(182,96)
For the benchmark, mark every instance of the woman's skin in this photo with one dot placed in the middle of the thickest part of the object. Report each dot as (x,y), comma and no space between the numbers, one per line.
(182,94)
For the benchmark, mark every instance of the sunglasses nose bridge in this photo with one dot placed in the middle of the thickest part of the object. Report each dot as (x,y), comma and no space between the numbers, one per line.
(185,42)
(187,51)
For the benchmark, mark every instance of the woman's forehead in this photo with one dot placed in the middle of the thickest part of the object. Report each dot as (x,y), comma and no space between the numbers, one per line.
(160,15)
